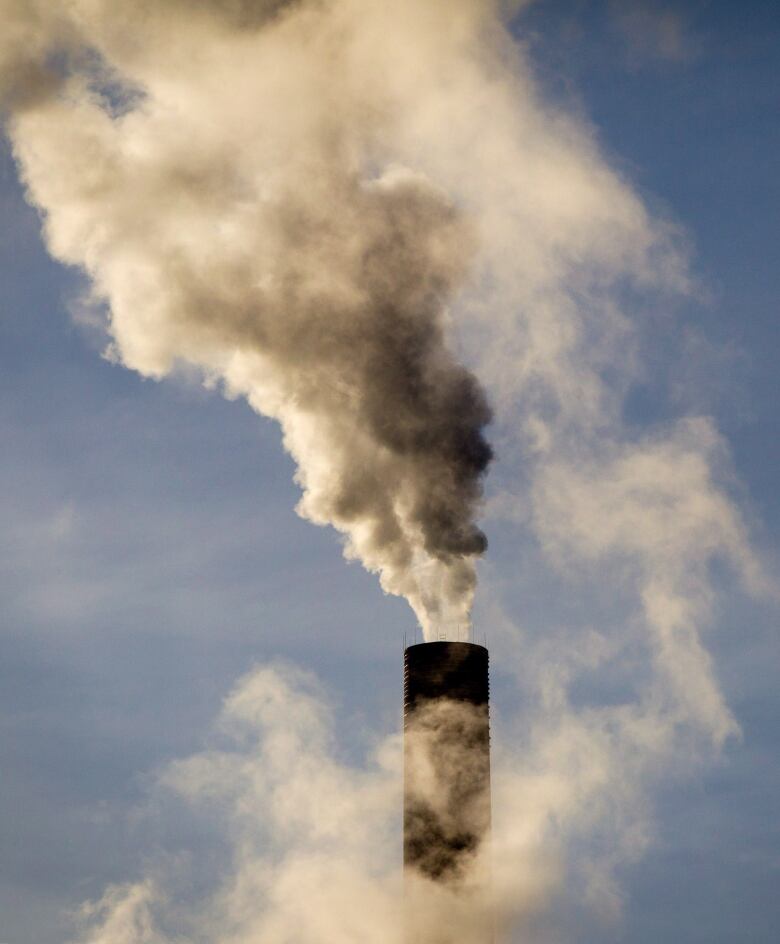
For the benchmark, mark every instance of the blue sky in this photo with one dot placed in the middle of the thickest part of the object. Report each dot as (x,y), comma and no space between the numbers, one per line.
(152,554)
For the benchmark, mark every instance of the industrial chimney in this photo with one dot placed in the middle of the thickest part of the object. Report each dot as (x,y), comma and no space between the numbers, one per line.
(446,794)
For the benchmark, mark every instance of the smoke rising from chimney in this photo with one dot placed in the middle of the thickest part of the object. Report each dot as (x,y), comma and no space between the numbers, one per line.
(230,188)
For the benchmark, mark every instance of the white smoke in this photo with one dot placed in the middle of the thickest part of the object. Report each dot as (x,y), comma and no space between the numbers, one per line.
(307,200)
(313,851)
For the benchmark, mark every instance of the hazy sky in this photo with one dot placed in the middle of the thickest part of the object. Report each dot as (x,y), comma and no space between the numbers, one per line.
(152,555)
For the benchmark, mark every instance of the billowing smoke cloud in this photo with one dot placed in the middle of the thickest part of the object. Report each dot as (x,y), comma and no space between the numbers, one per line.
(319,204)
(227,182)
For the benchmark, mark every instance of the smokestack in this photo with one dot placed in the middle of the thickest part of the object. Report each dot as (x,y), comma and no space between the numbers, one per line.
(446,793)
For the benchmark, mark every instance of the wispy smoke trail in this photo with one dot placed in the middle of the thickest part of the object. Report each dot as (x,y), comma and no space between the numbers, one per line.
(319,204)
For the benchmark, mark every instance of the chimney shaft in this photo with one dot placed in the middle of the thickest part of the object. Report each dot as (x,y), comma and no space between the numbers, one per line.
(446,791)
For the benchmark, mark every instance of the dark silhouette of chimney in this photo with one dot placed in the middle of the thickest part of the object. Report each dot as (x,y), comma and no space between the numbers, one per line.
(446,791)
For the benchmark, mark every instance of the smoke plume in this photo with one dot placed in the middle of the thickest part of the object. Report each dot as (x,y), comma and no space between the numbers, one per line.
(225,177)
